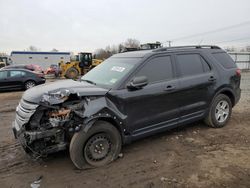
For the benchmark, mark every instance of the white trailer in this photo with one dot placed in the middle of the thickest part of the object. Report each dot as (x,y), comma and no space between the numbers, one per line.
(44,59)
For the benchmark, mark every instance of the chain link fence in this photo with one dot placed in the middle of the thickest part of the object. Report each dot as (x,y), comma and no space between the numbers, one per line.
(242,59)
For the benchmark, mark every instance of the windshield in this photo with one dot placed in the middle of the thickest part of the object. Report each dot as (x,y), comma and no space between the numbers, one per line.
(111,71)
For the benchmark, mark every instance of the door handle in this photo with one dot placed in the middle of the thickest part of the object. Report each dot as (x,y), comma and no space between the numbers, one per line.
(169,88)
(211,79)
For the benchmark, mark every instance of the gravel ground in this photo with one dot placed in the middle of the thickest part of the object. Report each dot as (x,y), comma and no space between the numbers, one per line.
(192,156)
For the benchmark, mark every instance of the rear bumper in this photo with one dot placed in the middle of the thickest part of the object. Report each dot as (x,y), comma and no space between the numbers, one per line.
(42,81)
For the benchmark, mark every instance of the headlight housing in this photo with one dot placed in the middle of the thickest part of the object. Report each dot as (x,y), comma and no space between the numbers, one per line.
(55,97)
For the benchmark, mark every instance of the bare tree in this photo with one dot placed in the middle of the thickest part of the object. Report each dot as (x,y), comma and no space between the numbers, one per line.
(114,49)
(230,49)
(54,50)
(121,47)
(102,54)
(33,48)
(132,43)
(248,48)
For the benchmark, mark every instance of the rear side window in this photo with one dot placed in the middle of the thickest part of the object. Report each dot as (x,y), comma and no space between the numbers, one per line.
(16,73)
(157,69)
(225,60)
(192,64)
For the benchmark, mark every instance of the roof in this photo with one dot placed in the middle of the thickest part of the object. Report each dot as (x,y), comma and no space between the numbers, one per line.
(16,69)
(143,53)
(138,54)
(190,47)
(40,53)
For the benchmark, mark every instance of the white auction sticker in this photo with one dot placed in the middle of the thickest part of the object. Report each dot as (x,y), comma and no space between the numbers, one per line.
(118,69)
(113,80)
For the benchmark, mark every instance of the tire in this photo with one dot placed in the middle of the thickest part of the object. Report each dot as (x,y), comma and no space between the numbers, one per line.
(72,73)
(29,84)
(220,111)
(99,146)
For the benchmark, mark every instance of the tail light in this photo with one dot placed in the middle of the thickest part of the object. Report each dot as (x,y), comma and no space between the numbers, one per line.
(238,72)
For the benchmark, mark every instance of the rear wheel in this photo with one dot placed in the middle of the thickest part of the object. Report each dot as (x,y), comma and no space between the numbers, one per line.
(72,73)
(29,84)
(220,111)
(99,146)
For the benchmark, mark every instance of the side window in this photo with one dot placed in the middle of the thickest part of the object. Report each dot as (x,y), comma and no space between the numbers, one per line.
(15,73)
(23,73)
(190,64)
(225,60)
(157,69)
(3,74)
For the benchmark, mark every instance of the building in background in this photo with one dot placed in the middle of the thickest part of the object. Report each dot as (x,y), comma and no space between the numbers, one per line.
(43,59)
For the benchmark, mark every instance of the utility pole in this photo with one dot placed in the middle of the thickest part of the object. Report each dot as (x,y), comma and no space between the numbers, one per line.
(169,43)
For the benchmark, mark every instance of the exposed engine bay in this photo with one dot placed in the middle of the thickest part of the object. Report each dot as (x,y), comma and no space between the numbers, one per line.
(49,115)
(50,125)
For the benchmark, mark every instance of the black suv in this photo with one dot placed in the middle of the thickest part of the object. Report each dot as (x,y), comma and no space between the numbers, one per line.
(128,96)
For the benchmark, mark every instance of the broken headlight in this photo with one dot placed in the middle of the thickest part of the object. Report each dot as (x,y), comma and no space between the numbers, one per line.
(55,97)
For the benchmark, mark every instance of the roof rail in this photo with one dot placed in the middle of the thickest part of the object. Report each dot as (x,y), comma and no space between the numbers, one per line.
(186,47)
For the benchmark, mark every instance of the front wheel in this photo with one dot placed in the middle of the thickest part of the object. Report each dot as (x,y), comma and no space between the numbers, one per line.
(100,145)
(72,73)
(219,112)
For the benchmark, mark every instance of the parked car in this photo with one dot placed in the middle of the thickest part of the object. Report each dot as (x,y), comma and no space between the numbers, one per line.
(127,97)
(31,67)
(53,69)
(12,79)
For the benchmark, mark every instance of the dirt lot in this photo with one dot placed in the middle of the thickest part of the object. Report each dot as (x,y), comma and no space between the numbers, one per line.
(192,156)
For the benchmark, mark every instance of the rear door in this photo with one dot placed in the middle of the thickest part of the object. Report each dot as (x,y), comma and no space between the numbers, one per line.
(197,80)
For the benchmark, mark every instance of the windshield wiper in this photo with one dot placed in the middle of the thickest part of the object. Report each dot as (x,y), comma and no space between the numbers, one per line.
(89,81)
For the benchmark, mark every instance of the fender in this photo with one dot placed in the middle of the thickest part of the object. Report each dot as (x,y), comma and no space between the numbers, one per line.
(90,122)
(227,90)
(103,109)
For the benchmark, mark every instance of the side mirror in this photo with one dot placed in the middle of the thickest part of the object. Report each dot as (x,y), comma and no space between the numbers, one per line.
(138,82)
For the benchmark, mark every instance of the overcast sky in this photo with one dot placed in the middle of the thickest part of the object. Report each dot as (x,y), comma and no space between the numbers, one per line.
(87,25)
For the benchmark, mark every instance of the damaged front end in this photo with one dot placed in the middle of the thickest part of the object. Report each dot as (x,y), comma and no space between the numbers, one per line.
(48,126)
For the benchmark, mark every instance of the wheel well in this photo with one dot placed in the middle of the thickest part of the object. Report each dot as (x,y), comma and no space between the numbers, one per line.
(114,123)
(230,95)
(28,81)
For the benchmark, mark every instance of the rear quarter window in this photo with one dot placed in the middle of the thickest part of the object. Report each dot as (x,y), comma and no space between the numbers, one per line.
(224,59)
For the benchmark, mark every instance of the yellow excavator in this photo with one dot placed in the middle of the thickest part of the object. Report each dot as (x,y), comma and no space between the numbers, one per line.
(79,65)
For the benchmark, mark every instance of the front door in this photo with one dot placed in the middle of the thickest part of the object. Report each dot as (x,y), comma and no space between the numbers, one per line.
(155,106)
(3,79)
(15,78)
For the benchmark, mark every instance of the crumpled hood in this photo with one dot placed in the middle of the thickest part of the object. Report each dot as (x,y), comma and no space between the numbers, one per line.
(35,94)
